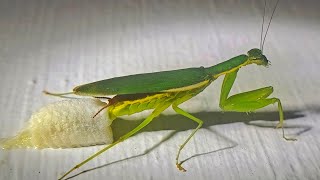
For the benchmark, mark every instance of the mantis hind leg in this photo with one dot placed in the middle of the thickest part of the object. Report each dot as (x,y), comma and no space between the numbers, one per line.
(62,95)
(154,114)
(186,114)
(248,101)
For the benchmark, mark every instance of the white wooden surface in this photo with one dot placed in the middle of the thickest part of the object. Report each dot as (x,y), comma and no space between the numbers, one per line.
(56,45)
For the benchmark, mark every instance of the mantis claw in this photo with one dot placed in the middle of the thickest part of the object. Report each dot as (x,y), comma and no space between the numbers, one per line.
(180,167)
(279,125)
(289,139)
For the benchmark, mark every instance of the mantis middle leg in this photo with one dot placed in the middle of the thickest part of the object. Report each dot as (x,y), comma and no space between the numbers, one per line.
(186,114)
(248,101)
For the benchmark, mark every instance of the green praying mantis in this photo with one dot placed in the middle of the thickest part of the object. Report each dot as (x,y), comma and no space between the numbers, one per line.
(160,90)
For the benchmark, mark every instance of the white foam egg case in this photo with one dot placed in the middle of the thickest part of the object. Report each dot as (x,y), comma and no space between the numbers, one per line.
(64,124)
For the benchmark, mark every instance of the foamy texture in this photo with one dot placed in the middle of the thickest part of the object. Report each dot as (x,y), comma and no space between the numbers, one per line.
(64,124)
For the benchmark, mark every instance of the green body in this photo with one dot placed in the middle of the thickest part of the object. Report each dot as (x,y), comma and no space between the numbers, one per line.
(144,83)
(158,81)
(158,91)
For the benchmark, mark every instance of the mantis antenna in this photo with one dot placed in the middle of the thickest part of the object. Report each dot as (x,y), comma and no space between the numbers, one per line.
(264,13)
(274,10)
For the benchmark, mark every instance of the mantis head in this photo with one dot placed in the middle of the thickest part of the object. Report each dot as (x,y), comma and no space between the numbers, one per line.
(255,56)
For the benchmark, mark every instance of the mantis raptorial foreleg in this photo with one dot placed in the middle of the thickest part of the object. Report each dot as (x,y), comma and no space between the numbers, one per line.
(154,114)
(186,114)
(248,101)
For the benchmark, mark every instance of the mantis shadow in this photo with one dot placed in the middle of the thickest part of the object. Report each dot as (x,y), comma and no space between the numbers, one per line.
(179,123)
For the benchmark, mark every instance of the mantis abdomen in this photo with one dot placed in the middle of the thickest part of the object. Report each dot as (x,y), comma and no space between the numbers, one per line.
(127,105)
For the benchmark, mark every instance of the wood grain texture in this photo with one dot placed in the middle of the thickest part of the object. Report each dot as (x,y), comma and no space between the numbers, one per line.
(56,45)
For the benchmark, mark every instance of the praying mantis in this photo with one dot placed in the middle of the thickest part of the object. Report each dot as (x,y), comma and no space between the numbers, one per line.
(158,91)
